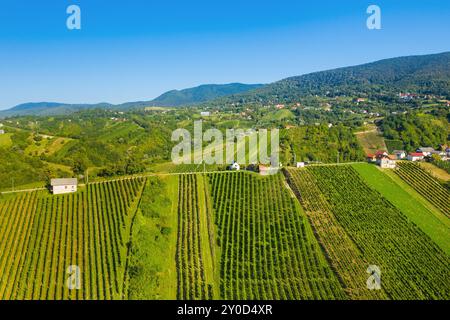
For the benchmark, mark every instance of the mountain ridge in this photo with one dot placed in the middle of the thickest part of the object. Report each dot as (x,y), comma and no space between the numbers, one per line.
(172,98)
(426,74)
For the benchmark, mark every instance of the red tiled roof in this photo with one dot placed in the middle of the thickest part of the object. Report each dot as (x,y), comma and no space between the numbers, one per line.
(416,154)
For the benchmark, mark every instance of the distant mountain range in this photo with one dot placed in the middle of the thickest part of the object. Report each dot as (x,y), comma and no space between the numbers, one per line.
(173,98)
(428,74)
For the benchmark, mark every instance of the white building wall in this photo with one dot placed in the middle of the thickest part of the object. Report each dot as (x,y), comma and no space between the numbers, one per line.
(64,189)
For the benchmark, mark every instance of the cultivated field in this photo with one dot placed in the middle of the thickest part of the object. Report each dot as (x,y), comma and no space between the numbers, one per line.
(412,265)
(194,262)
(425,184)
(268,250)
(346,258)
(310,234)
(43,235)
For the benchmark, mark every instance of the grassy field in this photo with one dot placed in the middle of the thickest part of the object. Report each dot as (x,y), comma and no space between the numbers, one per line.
(5,140)
(283,114)
(431,221)
(371,140)
(152,268)
(48,145)
(436,172)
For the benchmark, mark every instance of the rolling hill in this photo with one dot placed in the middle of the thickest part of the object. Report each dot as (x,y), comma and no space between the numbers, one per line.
(49,108)
(427,74)
(201,94)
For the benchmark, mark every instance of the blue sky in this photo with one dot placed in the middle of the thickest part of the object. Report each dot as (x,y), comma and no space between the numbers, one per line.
(137,49)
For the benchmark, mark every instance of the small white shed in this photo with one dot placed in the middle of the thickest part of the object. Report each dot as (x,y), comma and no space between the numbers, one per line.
(300,164)
(61,186)
(235,166)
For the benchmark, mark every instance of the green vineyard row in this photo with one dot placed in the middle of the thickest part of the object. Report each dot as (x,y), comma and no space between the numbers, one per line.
(426,185)
(43,235)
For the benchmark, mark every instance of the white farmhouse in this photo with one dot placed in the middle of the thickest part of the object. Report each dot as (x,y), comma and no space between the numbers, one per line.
(400,154)
(2,131)
(266,171)
(235,166)
(425,150)
(61,186)
(205,113)
(387,163)
(415,156)
(300,164)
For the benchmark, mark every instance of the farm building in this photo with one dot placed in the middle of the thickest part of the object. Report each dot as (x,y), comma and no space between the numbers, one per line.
(427,151)
(415,156)
(2,131)
(300,164)
(371,158)
(205,113)
(441,154)
(400,154)
(61,186)
(235,166)
(387,162)
(266,171)
(381,153)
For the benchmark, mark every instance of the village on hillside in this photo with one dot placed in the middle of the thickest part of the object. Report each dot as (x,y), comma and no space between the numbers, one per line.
(388,161)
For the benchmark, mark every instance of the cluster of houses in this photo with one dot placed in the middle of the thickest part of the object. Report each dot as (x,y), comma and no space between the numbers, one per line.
(387,161)
(383,159)
(1,130)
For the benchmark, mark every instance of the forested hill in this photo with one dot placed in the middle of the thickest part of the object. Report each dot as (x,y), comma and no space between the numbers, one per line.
(426,74)
(49,108)
(201,94)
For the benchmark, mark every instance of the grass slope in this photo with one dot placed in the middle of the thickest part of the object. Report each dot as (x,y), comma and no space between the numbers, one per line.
(371,140)
(152,270)
(5,140)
